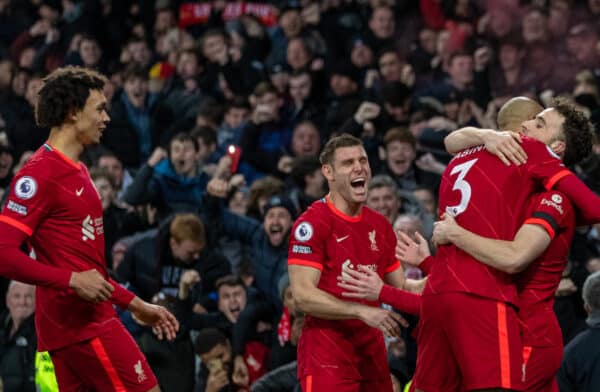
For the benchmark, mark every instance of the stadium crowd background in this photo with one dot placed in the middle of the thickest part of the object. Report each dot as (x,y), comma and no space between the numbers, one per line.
(277,80)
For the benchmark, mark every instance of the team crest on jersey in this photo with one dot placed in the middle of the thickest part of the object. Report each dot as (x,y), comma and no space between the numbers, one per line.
(139,371)
(372,235)
(557,198)
(25,188)
(304,232)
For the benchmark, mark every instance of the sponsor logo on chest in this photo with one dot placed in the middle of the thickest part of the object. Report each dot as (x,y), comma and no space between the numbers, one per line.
(91,227)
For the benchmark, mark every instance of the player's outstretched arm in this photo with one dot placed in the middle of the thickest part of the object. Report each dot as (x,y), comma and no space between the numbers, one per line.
(366,284)
(163,323)
(582,197)
(316,302)
(505,145)
(508,256)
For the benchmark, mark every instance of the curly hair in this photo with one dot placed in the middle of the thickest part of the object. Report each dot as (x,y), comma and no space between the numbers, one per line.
(577,130)
(65,92)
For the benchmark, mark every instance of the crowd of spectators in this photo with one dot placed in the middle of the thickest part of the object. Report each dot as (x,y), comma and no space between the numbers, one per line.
(193,86)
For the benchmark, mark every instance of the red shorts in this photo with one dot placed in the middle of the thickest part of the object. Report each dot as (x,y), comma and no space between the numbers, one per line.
(111,361)
(540,365)
(339,384)
(467,342)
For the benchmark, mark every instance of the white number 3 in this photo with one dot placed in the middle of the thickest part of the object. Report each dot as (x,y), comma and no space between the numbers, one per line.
(462,186)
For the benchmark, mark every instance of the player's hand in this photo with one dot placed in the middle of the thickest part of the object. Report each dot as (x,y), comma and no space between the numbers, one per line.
(163,323)
(216,380)
(91,285)
(506,145)
(410,251)
(444,230)
(363,284)
(240,376)
(386,321)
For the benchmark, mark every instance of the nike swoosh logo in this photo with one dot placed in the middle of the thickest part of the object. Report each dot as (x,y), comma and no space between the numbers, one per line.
(79,191)
(342,238)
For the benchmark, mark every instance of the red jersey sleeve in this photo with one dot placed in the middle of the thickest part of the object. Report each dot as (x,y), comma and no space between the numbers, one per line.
(28,201)
(550,210)
(391,264)
(402,300)
(543,164)
(308,240)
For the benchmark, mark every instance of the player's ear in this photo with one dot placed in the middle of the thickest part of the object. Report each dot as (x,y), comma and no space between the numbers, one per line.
(327,171)
(558,146)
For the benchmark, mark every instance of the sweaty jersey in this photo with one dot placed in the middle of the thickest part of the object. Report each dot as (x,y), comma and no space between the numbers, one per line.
(536,285)
(332,242)
(490,199)
(53,201)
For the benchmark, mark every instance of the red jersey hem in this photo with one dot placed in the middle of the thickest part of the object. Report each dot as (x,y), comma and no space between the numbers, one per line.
(306,263)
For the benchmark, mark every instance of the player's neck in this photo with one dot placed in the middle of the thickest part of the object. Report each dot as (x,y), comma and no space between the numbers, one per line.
(344,206)
(63,139)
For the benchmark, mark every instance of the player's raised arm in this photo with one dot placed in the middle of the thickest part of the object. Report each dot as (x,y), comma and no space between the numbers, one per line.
(508,256)
(505,145)
(316,302)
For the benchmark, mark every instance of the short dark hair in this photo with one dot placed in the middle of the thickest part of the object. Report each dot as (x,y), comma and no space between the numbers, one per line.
(229,280)
(577,131)
(343,140)
(264,88)
(384,181)
(207,339)
(302,167)
(65,92)
(237,102)
(206,134)
(134,71)
(183,137)
(399,134)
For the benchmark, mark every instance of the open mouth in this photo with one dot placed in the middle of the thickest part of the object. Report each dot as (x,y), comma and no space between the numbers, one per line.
(235,311)
(359,184)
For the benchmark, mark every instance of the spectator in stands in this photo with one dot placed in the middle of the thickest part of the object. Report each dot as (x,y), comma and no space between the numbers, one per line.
(121,177)
(18,340)
(309,184)
(580,369)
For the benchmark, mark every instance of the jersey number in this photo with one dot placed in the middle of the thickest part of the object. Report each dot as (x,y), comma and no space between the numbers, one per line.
(462,186)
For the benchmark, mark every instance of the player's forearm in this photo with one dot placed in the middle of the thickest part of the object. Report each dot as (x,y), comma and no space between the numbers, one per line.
(464,138)
(15,265)
(498,254)
(402,300)
(318,303)
(586,201)
(121,296)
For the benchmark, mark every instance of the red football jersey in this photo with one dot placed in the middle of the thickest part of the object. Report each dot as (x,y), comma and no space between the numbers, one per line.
(490,199)
(537,284)
(330,241)
(53,200)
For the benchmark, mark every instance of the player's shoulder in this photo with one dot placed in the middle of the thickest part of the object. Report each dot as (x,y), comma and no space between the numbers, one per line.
(315,211)
(536,148)
(315,216)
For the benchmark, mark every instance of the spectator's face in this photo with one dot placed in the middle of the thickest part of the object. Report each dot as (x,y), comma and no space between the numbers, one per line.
(270,101)
(361,55)
(19,83)
(114,167)
(342,85)
(187,66)
(238,204)
(510,57)
(214,47)
(500,22)
(90,52)
(277,223)
(545,127)
(427,200)
(236,116)
(558,21)
(305,140)
(384,201)
(164,21)
(6,161)
(382,23)
(48,13)
(280,80)
(106,191)
(583,47)
(291,23)
(594,6)
(232,300)
(140,52)
(350,173)
(535,26)
(33,87)
(399,157)
(461,70)
(408,225)
(221,352)
(297,55)
(428,40)
(186,251)
(183,157)
(26,58)
(20,301)
(136,89)
(390,67)
(398,113)
(300,87)
(5,74)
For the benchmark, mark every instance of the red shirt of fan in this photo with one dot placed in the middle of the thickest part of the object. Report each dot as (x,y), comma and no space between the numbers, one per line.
(537,284)
(490,199)
(53,201)
(332,242)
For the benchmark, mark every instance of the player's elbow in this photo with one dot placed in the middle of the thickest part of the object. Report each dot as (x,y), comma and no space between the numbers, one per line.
(448,143)
(518,262)
(301,297)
